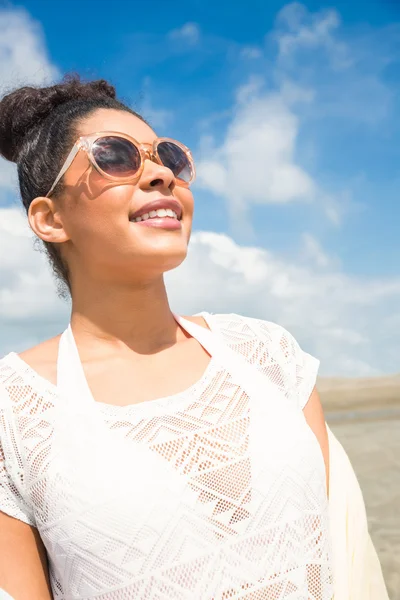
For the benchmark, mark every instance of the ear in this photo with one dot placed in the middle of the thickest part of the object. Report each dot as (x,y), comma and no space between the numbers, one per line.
(46,221)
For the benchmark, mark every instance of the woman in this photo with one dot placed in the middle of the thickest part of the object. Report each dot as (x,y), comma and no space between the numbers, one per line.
(144,455)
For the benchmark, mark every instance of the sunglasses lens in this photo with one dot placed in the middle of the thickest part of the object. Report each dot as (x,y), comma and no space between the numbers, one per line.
(116,156)
(176,159)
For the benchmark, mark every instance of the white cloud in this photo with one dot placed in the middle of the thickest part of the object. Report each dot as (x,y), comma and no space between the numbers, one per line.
(345,321)
(190,33)
(256,161)
(23,56)
(299,29)
(314,87)
(344,65)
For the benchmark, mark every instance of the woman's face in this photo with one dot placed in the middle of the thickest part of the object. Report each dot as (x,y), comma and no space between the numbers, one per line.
(102,241)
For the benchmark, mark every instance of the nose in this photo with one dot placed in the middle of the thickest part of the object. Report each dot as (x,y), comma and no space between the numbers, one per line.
(156,175)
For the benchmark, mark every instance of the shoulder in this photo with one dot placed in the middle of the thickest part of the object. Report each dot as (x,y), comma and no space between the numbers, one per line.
(240,329)
(270,348)
(43,358)
(26,379)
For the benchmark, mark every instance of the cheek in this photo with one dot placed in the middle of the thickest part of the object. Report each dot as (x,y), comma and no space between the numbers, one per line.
(185,197)
(98,216)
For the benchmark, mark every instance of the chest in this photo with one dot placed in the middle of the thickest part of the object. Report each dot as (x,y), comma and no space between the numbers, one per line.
(123,379)
(213,442)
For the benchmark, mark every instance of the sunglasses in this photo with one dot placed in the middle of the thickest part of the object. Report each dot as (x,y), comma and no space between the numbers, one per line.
(120,158)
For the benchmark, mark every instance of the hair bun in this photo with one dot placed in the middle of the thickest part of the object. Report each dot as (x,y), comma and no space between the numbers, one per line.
(22,109)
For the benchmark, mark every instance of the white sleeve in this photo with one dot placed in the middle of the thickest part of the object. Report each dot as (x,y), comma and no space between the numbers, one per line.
(301,368)
(281,358)
(306,367)
(12,500)
(4,595)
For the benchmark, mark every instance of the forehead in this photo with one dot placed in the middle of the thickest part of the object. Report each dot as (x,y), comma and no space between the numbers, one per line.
(106,119)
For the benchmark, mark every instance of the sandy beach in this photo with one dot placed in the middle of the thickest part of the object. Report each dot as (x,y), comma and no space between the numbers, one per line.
(365,415)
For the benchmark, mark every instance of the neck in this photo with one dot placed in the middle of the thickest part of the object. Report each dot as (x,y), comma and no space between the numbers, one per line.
(139,316)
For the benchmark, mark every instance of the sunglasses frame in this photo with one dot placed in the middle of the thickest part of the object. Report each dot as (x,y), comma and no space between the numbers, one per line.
(146,151)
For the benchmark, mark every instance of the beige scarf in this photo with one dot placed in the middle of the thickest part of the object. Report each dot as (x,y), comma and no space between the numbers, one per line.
(356,567)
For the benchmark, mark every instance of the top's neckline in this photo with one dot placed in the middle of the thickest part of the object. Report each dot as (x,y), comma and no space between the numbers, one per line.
(20,365)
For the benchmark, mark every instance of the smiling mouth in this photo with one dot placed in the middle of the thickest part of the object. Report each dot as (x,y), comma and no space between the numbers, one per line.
(160,213)
(164,213)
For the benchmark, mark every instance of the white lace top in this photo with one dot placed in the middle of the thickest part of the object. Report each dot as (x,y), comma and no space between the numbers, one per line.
(217,492)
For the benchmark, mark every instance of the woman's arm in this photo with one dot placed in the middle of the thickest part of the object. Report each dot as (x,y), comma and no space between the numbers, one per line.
(23,563)
(314,415)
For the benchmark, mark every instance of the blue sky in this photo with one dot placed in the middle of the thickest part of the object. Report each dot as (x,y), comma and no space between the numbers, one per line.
(292,112)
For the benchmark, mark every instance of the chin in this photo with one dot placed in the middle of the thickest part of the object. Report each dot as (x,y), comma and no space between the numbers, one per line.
(161,259)
(168,249)
(173,261)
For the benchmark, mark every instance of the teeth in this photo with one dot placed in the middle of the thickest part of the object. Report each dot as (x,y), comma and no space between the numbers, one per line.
(161,212)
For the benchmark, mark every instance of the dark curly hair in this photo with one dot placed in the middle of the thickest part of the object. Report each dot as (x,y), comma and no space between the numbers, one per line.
(38,127)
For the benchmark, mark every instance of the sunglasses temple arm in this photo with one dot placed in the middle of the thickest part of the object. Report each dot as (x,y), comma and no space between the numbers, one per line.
(66,166)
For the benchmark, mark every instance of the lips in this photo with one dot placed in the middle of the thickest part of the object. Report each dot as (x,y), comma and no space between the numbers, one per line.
(160,204)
